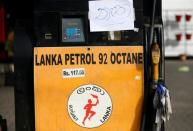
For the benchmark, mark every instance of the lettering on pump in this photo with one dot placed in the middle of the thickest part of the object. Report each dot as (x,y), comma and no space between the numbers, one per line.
(82,59)
(48,59)
(89,58)
(107,114)
(126,58)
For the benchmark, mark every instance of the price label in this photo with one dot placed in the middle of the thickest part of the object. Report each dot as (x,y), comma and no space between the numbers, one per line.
(73,73)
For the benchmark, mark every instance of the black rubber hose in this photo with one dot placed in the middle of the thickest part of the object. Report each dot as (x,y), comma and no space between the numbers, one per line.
(152,22)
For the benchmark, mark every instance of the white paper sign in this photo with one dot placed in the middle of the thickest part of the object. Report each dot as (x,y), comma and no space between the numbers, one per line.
(111,15)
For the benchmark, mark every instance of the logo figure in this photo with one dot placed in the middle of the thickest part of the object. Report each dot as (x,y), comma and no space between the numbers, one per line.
(84,108)
(88,108)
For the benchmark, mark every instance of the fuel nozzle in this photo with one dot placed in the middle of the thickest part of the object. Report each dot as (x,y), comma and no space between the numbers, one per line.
(155,58)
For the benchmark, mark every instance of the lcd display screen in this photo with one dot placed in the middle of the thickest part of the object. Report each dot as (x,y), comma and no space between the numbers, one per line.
(72,30)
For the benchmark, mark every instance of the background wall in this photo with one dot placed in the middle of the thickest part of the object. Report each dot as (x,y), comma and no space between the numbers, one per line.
(172,27)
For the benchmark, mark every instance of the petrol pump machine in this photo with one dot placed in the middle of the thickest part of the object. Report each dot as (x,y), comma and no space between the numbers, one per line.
(87,85)
(90,66)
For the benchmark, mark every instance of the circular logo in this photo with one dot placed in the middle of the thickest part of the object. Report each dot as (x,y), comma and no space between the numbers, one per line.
(89,106)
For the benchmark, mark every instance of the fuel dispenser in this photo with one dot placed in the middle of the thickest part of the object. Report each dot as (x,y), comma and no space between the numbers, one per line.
(69,78)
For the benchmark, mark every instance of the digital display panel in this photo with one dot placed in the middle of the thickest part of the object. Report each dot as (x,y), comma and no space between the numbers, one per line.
(72,30)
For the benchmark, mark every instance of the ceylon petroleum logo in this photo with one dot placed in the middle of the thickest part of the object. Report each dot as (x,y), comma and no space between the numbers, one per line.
(89,106)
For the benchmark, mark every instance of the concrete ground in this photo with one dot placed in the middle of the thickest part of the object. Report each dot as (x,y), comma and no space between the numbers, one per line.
(179,79)
(180,82)
(7,106)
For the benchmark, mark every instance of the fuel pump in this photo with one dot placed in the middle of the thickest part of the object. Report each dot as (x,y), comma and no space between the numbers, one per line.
(67,64)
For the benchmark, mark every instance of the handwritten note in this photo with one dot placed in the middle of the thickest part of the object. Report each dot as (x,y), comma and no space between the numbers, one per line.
(111,15)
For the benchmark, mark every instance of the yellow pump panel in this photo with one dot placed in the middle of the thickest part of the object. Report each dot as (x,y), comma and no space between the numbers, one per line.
(66,77)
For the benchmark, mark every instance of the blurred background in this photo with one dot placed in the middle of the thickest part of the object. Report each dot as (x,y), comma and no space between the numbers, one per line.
(178,30)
